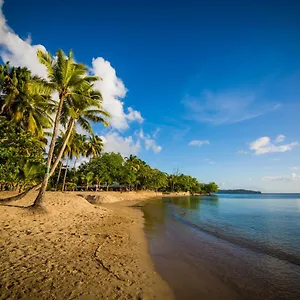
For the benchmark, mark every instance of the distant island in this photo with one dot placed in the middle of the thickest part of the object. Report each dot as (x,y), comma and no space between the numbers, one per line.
(238,191)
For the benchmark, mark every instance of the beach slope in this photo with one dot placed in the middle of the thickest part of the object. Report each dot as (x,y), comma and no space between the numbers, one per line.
(75,251)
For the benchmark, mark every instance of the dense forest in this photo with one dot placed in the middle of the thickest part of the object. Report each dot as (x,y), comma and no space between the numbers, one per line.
(38,133)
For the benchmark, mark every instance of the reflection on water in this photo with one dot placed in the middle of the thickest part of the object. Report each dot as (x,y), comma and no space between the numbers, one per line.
(251,244)
(193,202)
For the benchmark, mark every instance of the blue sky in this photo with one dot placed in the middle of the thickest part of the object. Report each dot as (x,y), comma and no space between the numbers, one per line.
(211,88)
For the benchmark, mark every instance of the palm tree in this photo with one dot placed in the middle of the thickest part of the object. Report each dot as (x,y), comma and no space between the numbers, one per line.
(75,148)
(94,146)
(81,113)
(69,79)
(57,149)
(25,99)
(79,146)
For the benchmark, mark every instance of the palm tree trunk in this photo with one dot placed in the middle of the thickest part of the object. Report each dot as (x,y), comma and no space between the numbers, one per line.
(65,176)
(58,177)
(63,147)
(38,202)
(36,187)
(75,163)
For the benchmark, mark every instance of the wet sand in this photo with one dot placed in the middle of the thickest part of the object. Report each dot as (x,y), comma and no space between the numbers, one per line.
(75,251)
(198,265)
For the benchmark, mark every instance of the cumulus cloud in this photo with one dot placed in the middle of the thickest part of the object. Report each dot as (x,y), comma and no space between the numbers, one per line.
(21,52)
(113,91)
(149,141)
(264,145)
(242,152)
(280,138)
(134,115)
(225,107)
(198,143)
(113,142)
(17,51)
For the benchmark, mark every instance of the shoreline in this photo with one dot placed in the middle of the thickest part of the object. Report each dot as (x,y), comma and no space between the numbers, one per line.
(77,250)
(202,264)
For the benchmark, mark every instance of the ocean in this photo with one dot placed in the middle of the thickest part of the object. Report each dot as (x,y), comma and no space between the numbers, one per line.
(227,246)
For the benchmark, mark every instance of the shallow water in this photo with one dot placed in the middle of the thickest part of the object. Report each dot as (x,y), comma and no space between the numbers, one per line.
(227,246)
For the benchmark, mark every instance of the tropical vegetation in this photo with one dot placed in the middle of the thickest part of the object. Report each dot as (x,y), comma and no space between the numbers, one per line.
(40,141)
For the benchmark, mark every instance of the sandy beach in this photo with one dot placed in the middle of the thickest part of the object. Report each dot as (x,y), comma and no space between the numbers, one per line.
(77,250)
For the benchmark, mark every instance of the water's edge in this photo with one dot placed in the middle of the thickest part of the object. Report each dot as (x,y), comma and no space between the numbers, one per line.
(199,263)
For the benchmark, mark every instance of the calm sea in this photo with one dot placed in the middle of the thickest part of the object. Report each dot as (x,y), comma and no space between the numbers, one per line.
(230,246)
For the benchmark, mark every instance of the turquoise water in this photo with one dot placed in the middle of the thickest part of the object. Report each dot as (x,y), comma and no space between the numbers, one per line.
(250,243)
(269,223)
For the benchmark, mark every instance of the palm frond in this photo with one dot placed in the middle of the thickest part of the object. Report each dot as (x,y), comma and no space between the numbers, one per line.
(46,59)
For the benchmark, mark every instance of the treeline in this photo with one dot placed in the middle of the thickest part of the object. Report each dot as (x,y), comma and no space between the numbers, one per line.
(37,133)
(111,171)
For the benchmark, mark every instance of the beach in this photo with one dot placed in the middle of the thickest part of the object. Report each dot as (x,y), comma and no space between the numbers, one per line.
(77,250)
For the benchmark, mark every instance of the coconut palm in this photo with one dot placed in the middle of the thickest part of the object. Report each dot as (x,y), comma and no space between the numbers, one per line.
(75,148)
(81,113)
(72,84)
(25,99)
(94,146)
(79,146)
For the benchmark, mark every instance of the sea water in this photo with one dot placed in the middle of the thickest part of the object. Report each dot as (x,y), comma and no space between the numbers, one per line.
(248,243)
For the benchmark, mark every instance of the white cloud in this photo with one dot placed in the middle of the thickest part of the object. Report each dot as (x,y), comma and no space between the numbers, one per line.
(198,143)
(113,90)
(280,138)
(21,52)
(149,141)
(17,51)
(242,152)
(113,142)
(264,145)
(293,177)
(134,115)
(226,107)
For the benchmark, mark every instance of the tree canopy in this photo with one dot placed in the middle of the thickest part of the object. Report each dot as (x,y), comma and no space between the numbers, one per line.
(30,154)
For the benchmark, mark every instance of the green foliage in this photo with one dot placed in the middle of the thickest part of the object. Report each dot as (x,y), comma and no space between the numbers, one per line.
(25,99)
(132,173)
(210,188)
(21,156)
(25,109)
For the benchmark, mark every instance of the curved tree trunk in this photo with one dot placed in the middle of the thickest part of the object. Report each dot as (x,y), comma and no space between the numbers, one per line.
(58,176)
(65,176)
(36,187)
(16,197)
(38,202)
(75,163)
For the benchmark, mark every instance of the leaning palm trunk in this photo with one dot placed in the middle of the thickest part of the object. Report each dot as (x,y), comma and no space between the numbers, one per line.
(36,187)
(16,197)
(41,196)
(58,176)
(65,176)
